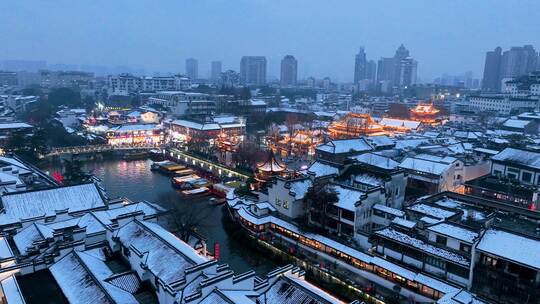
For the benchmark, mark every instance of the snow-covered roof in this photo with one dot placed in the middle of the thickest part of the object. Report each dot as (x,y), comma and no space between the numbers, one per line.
(14,125)
(12,161)
(436,158)
(299,187)
(410,143)
(522,157)
(345,146)
(81,276)
(11,290)
(516,123)
(364,257)
(400,123)
(137,127)
(30,204)
(513,247)
(291,290)
(160,245)
(459,297)
(421,245)
(403,222)
(319,169)
(424,166)
(369,180)
(347,197)
(455,232)
(272,165)
(376,160)
(106,216)
(207,126)
(486,151)
(5,250)
(431,211)
(380,141)
(389,210)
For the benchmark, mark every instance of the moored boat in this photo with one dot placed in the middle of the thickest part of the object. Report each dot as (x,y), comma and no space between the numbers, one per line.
(196,192)
(135,156)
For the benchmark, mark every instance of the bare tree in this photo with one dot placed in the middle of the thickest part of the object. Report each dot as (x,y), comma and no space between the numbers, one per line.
(183,219)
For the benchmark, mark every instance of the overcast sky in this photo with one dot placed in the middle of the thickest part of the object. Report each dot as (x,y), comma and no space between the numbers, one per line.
(449,36)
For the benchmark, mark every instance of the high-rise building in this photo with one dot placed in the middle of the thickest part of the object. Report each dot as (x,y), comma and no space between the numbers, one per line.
(518,61)
(398,71)
(192,68)
(253,70)
(401,54)
(407,72)
(371,70)
(215,71)
(385,69)
(360,66)
(289,71)
(508,64)
(492,70)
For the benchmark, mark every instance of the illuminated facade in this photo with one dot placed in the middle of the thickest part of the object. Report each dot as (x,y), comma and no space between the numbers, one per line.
(271,167)
(425,113)
(354,125)
(136,135)
(227,135)
(301,142)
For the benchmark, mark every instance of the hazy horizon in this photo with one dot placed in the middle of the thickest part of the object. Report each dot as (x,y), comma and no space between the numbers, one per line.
(444,37)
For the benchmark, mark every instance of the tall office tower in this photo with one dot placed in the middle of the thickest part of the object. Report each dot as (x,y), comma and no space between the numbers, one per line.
(360,63)
(492,70)
(215,71)
(192,68)
(385,69)
(407,72)
(401,53)
(289,71)
(253,70)
(371,70)
(518,61)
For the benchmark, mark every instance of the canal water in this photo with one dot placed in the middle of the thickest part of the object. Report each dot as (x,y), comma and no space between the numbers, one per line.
(135,180)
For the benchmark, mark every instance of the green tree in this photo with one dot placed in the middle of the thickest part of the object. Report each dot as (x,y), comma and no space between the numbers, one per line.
(65,96)
(319,199)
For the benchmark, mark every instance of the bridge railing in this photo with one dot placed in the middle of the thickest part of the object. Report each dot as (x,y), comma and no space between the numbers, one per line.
(97,148)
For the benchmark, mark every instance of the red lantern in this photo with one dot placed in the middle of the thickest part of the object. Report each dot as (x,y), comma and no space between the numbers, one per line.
(216,251)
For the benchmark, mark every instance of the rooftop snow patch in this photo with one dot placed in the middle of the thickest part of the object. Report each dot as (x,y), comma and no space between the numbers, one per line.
(455,232)
(421,245)
(290,290)
(432,211)
(400,123)
(347,197)
(522,157)
(319,169)
(376,160)
(160,245)
(512,247)
(424,166)
(299,188)
(345,146)
(25,205)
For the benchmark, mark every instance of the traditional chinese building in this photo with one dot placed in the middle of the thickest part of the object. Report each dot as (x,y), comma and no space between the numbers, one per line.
(425,113)
(226,134)
(271,167)
(354,125)
(301,142)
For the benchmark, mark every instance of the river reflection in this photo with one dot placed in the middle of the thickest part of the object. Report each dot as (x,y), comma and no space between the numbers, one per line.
(135,180)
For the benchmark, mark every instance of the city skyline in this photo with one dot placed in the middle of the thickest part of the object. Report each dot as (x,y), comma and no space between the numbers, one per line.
(326,50)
